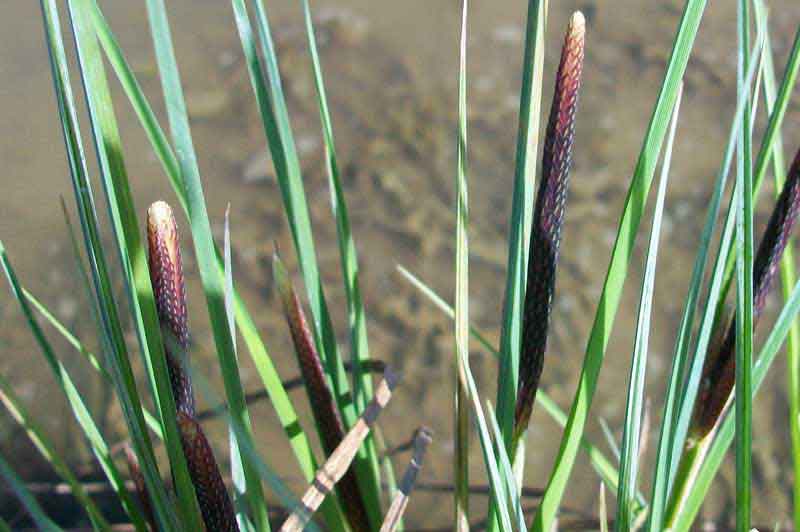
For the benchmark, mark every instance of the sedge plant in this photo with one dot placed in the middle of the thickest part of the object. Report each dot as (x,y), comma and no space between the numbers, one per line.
(714,376)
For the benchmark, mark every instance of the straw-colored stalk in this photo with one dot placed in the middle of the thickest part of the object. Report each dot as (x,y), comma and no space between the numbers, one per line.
(335,468)
(548,219)
(422,439)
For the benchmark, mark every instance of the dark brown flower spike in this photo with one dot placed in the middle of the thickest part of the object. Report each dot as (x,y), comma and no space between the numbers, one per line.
(548,218)
(719,369)
(139,485)
(323,406)
(212,497)
(166,275)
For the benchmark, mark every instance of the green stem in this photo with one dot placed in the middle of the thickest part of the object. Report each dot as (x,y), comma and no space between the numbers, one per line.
(689,466)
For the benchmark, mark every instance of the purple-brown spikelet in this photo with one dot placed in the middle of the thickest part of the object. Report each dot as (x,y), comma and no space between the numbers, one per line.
(139,485)
(320,396)
(212,497)
(719,369)
(166,275)
(548,218)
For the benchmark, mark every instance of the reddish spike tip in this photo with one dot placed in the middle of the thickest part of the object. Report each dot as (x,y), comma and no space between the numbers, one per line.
(548,218)
(166,275)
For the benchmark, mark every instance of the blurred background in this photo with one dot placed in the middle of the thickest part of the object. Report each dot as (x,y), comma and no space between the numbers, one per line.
(391,71)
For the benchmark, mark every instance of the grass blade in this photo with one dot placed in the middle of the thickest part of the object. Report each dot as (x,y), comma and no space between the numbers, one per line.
(27,499)
(356,316)
(598,460)
(122,213)
(275,118)
(237,473)
(205,251)
(46,448)
(258,351)
(165,154)
(466,393)
(787,268)
(696,494)
(461,319)
(618,266)
(631,434)
(511,490)
(689,389)
(744,289)
(668,449)
(112,330)
(521,216)
(74,397)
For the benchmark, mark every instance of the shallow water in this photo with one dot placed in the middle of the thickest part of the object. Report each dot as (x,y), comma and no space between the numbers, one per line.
(391,69)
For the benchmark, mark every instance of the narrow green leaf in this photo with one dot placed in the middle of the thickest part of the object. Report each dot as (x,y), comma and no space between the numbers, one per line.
(113,337)
(258,351)
(291,188)
(368,477)
(671,437)
(204,248)
(530,107)
(275,118)
(618,266)
(132,256)
(744,289)
(683,468)
(725,435)
(601,464)
(775,101)
(152,422)
(510,489)
(75,399)
(631,434)
(46,448)
(27,499)
(237,472)
(461,318)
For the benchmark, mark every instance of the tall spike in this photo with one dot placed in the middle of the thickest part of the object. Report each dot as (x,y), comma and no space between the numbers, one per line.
(323,406)
(166,275)
(719,369)
(548,218)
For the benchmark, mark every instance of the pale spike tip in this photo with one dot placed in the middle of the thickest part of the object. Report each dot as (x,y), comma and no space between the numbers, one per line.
(159,210)
(577,22)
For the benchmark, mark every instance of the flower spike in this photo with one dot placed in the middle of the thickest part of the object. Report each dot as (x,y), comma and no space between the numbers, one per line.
(719,369)
(323,406)
(548,219)
(166,274)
